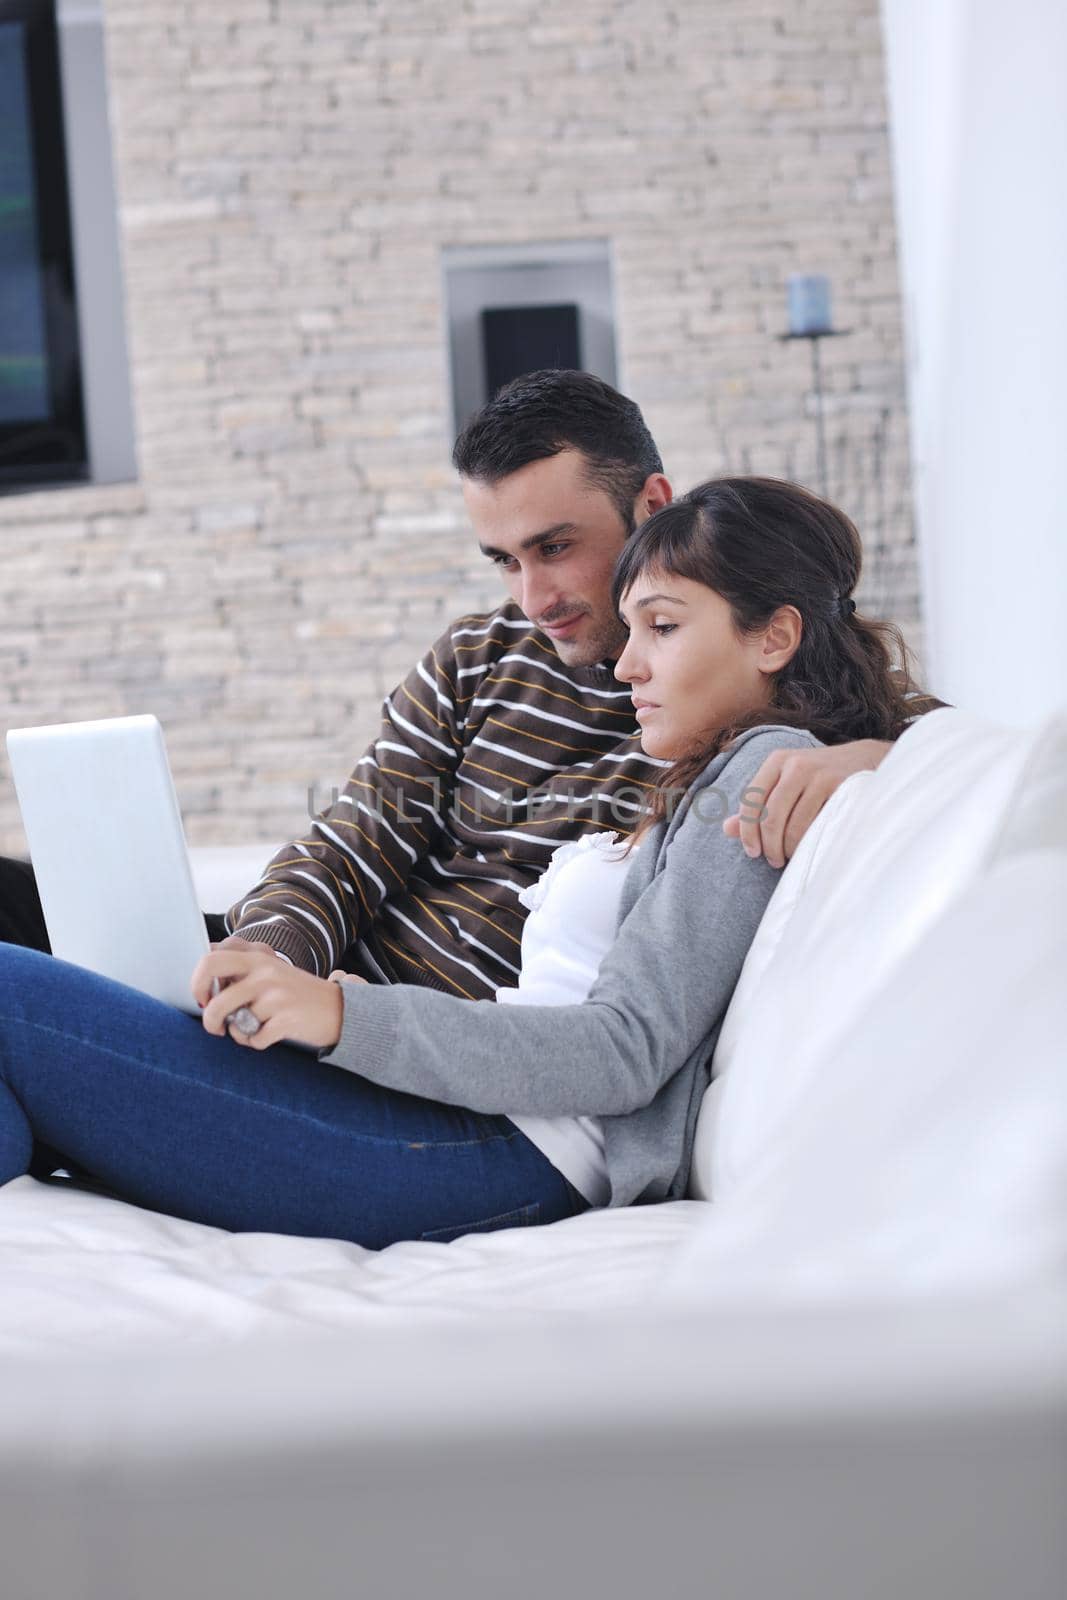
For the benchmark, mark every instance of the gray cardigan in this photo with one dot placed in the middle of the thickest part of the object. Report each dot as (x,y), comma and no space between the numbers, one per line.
(637,1052)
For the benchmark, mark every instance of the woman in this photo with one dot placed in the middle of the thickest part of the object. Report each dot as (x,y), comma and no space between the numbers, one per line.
(424,1115)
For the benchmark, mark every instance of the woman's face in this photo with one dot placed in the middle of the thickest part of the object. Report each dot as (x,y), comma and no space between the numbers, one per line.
(689,671)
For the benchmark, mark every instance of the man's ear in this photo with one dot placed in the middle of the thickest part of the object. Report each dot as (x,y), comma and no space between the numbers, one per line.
(656,493)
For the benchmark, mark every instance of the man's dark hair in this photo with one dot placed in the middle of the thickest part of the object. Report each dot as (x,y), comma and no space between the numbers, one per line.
(542,413)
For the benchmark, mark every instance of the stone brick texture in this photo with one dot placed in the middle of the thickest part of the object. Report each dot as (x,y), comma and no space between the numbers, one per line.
(289,172)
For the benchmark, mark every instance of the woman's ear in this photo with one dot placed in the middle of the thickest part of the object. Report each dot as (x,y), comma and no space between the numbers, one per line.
(781,639)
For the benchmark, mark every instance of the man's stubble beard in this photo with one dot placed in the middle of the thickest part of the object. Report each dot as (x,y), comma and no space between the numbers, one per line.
(602,645)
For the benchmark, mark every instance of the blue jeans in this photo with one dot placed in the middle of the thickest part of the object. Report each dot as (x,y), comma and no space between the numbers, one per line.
(177,1120)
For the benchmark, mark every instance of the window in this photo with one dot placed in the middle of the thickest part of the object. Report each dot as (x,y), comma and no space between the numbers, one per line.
(42,432)
(65,411)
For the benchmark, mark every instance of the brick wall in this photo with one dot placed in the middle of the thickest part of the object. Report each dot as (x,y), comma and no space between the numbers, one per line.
(288,173)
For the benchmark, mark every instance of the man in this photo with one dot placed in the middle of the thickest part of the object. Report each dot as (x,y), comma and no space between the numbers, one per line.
(509,737)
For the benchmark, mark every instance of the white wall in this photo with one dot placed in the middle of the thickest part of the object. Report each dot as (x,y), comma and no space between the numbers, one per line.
(978,119)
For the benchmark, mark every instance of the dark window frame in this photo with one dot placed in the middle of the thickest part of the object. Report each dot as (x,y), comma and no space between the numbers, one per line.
(53,451)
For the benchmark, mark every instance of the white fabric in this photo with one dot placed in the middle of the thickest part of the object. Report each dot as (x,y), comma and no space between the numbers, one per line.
(82,1272)
(819,1455)
(928,1153)
(742,1014)
(574,916)
(223,874)
(892,852)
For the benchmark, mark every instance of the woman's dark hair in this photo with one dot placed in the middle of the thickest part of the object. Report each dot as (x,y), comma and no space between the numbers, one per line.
(542,413)
(762,543)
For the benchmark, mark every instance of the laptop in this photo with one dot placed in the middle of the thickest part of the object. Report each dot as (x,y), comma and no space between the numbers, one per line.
(109,852)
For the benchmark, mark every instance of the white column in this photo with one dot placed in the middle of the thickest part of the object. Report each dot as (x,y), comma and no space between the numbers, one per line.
(978,118)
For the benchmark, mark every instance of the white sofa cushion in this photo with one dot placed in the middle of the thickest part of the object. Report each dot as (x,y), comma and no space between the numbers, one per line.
(223,873)
(928,1153)
(887,857)
(1036,818)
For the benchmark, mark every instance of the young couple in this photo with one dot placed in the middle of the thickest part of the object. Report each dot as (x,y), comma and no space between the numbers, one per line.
(511,1009)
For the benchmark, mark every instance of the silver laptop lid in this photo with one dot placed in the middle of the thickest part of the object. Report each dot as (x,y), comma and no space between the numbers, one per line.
(109,853)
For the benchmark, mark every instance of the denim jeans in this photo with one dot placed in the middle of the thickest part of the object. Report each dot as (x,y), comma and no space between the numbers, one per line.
(177,1120)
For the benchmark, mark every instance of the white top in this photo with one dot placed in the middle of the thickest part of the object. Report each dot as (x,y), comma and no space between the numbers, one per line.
(574,914)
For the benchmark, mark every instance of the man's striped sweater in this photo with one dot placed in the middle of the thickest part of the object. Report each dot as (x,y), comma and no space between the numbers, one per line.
(491,753)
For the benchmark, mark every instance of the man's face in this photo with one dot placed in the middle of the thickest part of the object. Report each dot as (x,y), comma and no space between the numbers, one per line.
(555,537)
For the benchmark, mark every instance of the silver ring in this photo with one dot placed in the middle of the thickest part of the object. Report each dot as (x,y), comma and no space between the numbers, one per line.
(245,1021)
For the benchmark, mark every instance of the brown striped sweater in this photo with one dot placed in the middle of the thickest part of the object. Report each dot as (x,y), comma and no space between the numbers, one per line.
(491,753)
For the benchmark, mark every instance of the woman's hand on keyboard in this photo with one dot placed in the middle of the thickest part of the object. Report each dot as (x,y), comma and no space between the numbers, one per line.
(285,1001)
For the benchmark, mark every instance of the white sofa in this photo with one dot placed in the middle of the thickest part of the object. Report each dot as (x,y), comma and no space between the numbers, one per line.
(846,1375)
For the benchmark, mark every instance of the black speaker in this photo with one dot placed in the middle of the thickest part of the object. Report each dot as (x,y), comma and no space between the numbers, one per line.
(518,339)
